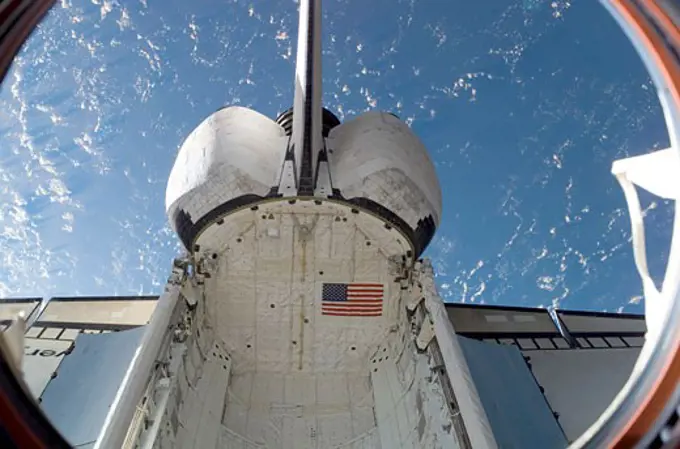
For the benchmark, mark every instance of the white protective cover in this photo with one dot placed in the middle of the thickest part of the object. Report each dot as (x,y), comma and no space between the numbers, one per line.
(658,173)
(377,156)
(235,151)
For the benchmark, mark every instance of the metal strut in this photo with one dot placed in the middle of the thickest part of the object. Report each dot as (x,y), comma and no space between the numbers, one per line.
(306,141)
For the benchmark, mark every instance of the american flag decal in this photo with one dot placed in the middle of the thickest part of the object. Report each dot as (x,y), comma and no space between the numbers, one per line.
(353,299)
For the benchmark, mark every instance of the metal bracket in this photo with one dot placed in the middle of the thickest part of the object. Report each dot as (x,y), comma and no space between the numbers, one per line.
(417,298)
(425,335)
(324,186)
(288,182)
(180,268)
(191,292)
(183,329)
(414,303)
(571,341)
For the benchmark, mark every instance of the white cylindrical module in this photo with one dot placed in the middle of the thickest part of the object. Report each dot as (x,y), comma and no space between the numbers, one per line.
(379,164)
(230,160)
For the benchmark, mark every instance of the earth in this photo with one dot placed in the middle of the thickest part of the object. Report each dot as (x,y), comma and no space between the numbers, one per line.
(523,106)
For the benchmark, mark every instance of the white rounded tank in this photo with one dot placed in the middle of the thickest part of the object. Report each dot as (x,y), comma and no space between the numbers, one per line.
(232,157)
(377,162)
